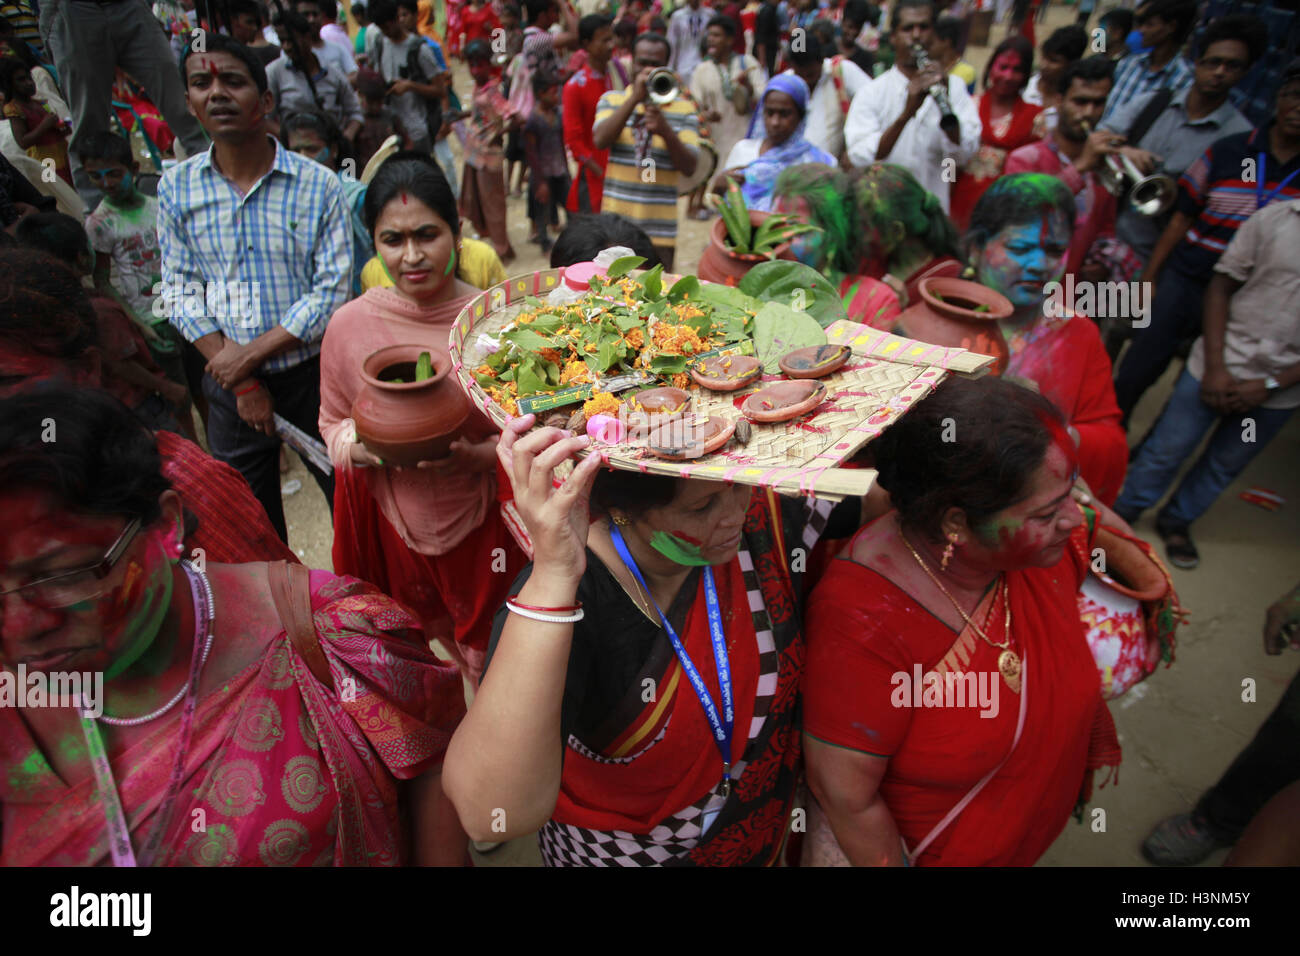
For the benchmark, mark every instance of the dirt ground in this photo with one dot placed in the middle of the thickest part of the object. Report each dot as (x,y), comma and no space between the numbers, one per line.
(1179,730)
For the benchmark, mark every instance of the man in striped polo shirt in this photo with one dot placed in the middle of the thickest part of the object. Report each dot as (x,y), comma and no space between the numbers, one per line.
(1237,176)
(648,147)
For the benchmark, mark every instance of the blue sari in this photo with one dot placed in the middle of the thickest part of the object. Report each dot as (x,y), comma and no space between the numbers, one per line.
(761,173)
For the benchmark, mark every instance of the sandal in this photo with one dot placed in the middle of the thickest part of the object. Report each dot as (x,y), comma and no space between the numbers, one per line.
(1179,547)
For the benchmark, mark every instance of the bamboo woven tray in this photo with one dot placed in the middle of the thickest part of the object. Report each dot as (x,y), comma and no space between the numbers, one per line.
(884,377)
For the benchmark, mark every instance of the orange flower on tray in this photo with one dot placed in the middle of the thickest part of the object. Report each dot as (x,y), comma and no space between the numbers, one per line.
(576,373)
(601,403)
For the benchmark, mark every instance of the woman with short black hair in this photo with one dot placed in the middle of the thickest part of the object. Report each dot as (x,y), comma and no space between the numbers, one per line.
(952,711)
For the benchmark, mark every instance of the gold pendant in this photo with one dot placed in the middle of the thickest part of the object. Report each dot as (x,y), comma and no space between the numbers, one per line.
(1009,665)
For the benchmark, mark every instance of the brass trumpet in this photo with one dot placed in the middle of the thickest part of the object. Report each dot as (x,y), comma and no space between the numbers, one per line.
(1148,196)
(661,87)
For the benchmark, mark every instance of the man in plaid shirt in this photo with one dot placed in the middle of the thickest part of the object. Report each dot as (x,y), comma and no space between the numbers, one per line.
(1164,25)
(257,255)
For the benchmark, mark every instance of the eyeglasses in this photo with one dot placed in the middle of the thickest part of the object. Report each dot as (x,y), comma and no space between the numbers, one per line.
(1214,62)
(81,584)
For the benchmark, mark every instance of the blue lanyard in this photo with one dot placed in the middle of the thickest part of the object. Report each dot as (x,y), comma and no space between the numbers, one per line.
(721,727)
(1260,199)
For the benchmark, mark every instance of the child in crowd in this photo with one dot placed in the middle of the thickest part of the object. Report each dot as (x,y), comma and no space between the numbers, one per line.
(123,232)
(35,126)
(511,20)
(378,121)
(130,373)
(483,195)
(544,155)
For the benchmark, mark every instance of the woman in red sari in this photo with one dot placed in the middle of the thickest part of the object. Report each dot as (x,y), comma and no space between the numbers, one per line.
(1019,238)
(952,712)
(608,730)
(432,536)
(228,724)
(1007,121)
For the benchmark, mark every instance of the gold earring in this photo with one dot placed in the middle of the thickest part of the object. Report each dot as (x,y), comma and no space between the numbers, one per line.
(947,552)
(620,520)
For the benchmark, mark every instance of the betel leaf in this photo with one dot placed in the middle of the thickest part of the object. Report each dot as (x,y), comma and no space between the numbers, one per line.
(531,302)
(797,286)
(669,364)
(702,324)
(779,329)
(527,339)
(717,294)
(608,354)
(686,285)
(621,267)
(531,377)
(652,282)
(626,322)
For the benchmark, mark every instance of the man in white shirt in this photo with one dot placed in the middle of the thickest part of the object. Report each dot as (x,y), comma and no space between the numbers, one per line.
(898,121)
(835,83)
(686,28)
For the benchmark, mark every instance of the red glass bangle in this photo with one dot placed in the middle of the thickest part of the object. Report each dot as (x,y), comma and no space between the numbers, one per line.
(566,609)
(252,388)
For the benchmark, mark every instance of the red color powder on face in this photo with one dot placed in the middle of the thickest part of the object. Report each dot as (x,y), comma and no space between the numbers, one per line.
(403,195)
(687,538)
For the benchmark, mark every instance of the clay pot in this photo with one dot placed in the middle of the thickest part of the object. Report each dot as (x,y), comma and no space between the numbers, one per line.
(783,401)
(684,439)
(814,361)
(719,264)
(945,315)
(661,401)
(1114,621)
(408,422)
(726,373)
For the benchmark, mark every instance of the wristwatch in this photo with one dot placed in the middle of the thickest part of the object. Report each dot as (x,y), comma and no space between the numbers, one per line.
(1271,383)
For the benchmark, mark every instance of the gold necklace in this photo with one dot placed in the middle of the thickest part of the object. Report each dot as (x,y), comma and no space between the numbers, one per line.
(1008,660)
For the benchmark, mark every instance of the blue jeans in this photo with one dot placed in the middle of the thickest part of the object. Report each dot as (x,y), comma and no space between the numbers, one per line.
(1176,434)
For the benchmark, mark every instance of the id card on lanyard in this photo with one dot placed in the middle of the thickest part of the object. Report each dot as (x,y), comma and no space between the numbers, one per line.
(720,724)
(1262,200)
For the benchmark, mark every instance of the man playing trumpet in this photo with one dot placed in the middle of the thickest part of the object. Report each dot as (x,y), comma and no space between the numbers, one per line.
(651,140)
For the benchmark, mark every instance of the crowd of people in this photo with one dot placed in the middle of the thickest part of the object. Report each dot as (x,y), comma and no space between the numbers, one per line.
(209,219)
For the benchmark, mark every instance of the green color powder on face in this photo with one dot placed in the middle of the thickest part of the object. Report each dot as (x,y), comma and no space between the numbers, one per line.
(141,629)
(675,549)
(451,263)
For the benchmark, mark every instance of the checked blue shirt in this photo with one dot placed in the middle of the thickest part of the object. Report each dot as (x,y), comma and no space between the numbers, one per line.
(243,264)
(1133,78)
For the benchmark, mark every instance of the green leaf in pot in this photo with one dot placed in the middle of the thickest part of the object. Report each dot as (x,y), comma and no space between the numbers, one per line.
(785,282)
(779,329)
(621,267)
(424,367)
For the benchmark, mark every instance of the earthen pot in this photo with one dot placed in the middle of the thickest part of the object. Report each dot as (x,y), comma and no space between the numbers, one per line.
(661,401)
(719,264)
(687,438)
(408,422)
(783,401)
(814,361)
(726,373)
(945,315)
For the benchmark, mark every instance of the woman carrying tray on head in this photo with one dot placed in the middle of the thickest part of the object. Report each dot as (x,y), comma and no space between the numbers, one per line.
(639,707)
(974,579)
(432,535)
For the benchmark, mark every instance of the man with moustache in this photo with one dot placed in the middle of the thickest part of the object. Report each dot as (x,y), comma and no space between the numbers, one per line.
(898,121)
(1073,156)
(266,234)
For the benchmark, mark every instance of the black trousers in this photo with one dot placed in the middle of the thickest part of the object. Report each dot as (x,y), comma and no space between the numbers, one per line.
(256,456)
(1175,317)
(1270,762)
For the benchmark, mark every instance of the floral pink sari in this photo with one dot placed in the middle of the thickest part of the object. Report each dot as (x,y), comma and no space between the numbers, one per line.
(280,770)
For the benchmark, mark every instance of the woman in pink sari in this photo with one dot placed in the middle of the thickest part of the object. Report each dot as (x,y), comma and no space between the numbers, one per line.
(952,712)
(246,713)
(432,536)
